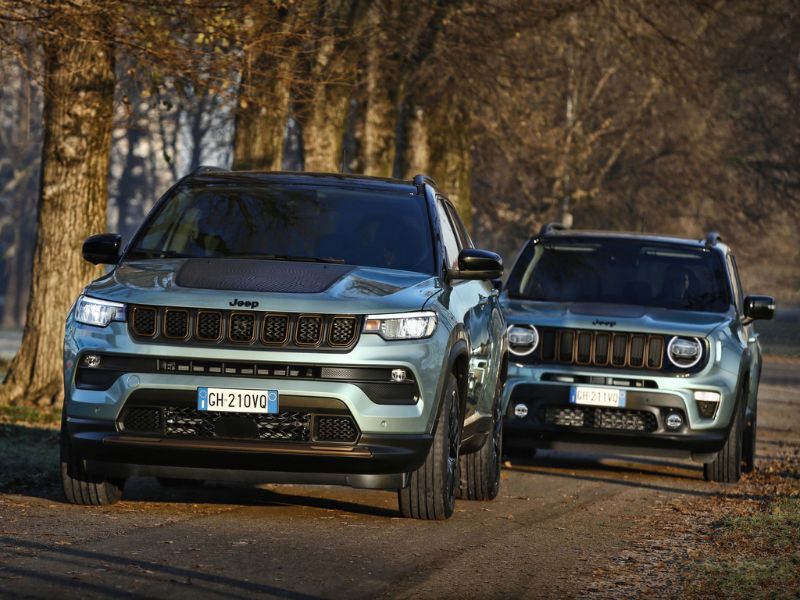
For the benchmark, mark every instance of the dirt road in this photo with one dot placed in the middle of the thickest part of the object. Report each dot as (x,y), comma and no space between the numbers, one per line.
(558,517)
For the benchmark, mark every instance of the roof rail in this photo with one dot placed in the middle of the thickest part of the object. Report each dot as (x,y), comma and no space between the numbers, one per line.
(420,180)
(207,169)
(712,238)
(549,228)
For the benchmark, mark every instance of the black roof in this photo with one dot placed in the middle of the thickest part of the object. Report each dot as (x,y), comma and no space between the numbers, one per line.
(585,235)
(213,175)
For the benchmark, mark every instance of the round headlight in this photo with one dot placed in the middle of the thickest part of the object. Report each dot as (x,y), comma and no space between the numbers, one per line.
(522,339)
(684,352)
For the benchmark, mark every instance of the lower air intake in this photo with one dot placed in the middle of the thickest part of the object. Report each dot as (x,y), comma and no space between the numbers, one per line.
(336,429)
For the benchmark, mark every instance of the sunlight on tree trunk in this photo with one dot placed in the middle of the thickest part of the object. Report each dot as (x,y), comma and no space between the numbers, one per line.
(79,89)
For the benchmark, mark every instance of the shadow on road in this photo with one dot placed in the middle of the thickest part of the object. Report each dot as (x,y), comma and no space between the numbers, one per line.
(629,472)
(126,568)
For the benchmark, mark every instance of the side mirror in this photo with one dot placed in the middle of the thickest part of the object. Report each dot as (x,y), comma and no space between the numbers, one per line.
(102,249)
(477,264)
(759,307)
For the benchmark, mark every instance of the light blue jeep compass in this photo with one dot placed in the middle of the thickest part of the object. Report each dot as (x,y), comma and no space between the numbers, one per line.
(634,343)
(275,327)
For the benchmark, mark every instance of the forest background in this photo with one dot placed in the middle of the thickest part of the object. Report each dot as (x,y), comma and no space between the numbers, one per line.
(674,117)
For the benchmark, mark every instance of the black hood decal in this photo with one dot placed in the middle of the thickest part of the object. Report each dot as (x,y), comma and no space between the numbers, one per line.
(258,275)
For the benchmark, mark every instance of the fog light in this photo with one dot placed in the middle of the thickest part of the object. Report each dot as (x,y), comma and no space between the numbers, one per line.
(91,360)
(707,403)
(398,375)
(521,411)
(674,421)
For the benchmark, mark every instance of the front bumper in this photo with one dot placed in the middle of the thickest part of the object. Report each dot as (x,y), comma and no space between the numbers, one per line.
(552,421)
(376,461)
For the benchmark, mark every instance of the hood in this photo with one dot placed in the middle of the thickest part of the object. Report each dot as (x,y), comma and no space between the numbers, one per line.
(614,317)
(280,286)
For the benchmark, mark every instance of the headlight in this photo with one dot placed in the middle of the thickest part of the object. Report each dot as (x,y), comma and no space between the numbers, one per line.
(684,352)
(522,339)
(92,311)
(402,326)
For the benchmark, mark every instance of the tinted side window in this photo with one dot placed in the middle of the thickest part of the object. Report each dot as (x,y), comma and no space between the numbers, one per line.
(736,284)
(448,237)
(458,225)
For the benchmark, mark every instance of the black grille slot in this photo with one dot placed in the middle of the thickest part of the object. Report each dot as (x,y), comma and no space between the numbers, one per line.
(619,346)
(143,321)
(584,348)
(242,327)
(209,325)
(176,323)
(343,331)
(309,330)
(637,350)
(601,418)
(276,329)
(142,419)
(655,352)
(336,429)
(600,348)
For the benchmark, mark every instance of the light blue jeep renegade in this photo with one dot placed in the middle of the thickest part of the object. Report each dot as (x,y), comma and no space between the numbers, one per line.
(633,343)
(274,327)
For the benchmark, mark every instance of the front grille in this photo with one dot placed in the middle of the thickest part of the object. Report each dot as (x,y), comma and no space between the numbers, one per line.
(203,326)
(599,348)
(336,429)
(601,418)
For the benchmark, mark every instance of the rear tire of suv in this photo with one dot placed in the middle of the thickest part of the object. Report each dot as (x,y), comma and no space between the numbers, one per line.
(431,492)
(749,448)
(81,487)
(480,471)
(727,466)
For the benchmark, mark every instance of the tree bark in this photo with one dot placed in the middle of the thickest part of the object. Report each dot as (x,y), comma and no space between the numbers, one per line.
(323,107)
(264,91)
(79,91)
(381,111)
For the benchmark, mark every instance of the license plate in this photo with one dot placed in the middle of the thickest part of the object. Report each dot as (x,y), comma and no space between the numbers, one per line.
(597,396)
(238,401)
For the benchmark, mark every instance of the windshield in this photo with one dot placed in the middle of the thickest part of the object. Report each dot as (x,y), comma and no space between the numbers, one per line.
(327,224)
(621,272)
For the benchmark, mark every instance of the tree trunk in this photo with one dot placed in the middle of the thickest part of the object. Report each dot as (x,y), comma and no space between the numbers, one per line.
(264,91)
(79,92)
(381,97)
(324,105)
(439,145)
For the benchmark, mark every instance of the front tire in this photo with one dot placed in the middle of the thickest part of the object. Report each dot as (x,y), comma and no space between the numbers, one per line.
(727,466)
(81,487)
(431,492)
(480,471)
(749,447)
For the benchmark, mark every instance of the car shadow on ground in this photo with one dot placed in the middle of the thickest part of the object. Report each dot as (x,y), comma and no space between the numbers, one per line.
(29,466)
(673,477)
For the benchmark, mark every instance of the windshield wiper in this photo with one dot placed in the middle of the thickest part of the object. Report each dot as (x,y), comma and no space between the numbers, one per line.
(289,257)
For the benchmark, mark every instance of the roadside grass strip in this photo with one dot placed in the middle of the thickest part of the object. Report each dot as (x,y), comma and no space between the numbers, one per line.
(754,556)
(28,456)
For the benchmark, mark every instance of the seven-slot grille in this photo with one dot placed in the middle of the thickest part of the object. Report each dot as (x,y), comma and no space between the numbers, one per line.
(600,348)
(332,332)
